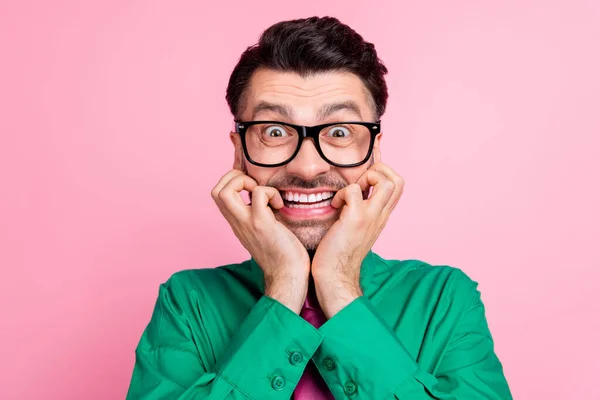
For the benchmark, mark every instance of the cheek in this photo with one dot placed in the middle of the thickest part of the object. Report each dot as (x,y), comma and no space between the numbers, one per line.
(261,175)
(351,175)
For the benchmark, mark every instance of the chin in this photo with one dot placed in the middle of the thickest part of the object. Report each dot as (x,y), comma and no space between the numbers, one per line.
(309,236)
(308,231)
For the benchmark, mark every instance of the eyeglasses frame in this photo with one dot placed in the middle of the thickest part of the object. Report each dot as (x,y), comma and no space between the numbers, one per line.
(307,131)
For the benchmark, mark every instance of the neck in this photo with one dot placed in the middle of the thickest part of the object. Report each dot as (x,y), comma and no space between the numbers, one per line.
(311,281)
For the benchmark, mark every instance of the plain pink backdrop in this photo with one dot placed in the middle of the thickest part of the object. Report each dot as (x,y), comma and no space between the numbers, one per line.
(114,128)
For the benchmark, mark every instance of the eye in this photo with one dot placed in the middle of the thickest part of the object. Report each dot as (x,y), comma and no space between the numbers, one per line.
(276,131)
(338,132)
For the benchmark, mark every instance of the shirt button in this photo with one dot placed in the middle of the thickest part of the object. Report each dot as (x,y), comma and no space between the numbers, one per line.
(296,358)
(278,382)
(329,364)
(350,388)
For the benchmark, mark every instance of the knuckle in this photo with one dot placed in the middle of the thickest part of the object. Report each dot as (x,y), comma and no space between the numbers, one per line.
(258,192)
(359,219)
(389,185)
(222,195)
(226,199)
(256,224)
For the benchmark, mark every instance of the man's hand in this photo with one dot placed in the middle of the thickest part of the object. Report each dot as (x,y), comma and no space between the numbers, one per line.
(338,258)
(283,259)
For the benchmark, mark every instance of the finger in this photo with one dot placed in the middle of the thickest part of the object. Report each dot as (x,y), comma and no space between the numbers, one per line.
(262,196)
(390,174)
(383,189)
(230,199)
(350,195)
(377,180)
(394,177)
(368,178)
(225,179)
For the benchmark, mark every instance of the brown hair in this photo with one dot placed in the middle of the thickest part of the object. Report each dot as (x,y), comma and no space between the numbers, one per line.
(308,46)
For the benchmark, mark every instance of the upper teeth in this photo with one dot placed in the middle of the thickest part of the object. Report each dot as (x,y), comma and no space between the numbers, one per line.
(307,198)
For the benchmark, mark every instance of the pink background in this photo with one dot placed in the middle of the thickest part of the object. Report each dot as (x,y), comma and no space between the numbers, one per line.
(115,128)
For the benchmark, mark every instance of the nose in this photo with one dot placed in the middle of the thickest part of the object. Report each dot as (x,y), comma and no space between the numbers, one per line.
(308,163)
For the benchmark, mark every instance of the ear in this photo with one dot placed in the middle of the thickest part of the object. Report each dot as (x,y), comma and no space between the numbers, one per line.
(238,153)
(377,148)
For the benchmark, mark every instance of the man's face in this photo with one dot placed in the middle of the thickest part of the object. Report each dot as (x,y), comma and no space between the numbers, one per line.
(307,173)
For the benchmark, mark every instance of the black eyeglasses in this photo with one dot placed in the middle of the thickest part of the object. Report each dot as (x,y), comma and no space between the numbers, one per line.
(274,143)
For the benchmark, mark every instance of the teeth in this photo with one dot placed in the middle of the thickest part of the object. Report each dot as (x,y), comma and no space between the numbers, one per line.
(307,198)
(315,205)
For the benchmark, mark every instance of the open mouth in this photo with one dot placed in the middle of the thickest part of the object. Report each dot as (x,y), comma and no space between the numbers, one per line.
(303,200)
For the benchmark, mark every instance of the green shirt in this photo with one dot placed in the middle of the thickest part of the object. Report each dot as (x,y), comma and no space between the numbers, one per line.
(418,332)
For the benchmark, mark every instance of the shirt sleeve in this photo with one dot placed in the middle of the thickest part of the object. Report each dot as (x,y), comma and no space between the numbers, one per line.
(369,361)
(265,358)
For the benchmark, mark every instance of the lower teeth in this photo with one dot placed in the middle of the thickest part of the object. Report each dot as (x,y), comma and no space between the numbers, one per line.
(323,203)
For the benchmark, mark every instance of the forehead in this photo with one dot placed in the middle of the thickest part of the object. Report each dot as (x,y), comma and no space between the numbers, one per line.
(306,100)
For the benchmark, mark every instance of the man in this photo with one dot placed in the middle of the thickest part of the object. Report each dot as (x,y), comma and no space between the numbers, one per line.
(314,314)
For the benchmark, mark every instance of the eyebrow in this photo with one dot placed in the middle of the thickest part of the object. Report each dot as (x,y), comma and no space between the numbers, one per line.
(282,110)
(348,105)
(325,111)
